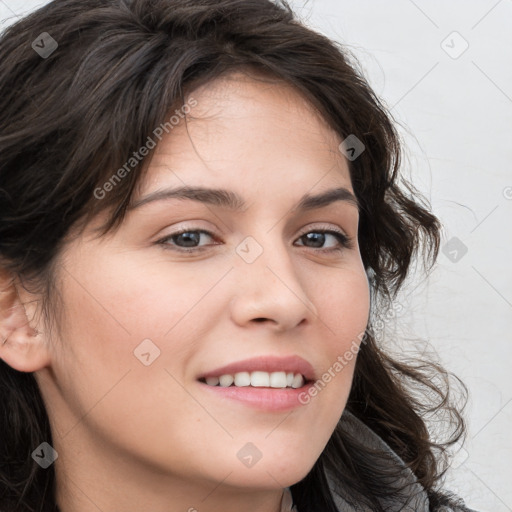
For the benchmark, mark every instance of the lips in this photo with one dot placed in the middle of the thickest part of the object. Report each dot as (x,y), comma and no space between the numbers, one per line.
(270,364)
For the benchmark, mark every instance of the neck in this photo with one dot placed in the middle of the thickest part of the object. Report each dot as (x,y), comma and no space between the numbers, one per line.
(87,481)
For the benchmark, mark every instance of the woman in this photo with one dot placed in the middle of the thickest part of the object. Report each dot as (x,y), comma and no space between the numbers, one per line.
(200,217)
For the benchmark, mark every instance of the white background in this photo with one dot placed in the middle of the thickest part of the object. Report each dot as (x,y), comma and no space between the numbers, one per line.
(454,112)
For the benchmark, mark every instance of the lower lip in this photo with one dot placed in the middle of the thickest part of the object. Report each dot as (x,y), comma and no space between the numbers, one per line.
(267,399)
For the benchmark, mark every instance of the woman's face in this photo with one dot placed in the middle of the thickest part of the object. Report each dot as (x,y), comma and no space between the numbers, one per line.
(144,320)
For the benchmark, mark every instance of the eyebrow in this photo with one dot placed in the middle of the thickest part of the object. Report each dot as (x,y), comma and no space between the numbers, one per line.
(231,200)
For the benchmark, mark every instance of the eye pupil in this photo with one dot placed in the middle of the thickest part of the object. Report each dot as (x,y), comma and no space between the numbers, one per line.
(189,236)
(318,238)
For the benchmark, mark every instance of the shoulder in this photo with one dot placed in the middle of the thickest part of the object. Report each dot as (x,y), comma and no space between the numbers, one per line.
(417,499)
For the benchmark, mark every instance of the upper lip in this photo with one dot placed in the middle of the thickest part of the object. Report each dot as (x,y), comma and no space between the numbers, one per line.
(269,364)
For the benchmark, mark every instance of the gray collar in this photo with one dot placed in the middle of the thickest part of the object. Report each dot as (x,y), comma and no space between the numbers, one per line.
(416,499)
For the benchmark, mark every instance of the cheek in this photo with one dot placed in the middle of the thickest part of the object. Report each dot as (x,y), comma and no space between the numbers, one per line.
(119,373)
(114,305)
(132,299)
(156,297)
(110,313)
(344,311)
(345,308)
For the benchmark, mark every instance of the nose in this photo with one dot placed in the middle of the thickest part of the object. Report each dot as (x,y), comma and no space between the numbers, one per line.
(269,290)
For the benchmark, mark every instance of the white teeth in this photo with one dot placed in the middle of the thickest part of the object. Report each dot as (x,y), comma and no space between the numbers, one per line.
(226,380)
(298,381)
(242,379)
(258,379)
(278,380)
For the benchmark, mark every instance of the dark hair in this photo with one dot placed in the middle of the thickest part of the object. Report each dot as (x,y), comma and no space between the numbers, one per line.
(68,120)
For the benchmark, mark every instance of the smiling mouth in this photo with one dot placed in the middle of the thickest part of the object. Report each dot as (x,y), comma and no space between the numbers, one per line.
(258,379)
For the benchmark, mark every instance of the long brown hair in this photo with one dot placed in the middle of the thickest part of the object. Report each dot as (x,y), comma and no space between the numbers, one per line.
(70,118)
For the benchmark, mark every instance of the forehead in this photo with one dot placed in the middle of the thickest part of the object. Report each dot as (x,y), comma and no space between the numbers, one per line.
(249,132)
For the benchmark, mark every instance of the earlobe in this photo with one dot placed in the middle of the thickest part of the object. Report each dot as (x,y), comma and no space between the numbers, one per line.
(24,352)
(22,345)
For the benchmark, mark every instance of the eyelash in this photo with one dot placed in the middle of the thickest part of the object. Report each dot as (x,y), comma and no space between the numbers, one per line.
(345,241)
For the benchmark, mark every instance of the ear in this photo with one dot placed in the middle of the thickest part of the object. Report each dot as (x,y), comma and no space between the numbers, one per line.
(22,345)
